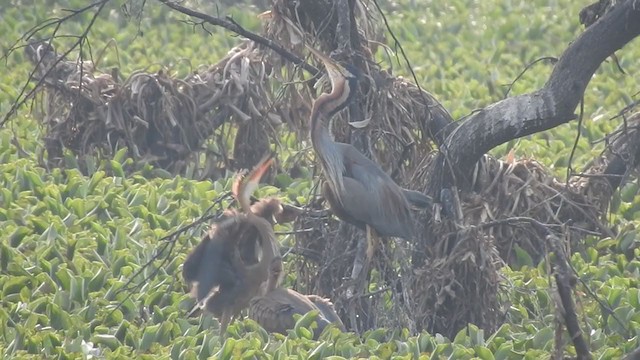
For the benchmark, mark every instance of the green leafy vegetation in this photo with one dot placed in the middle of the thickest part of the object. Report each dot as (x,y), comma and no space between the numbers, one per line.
(70,243)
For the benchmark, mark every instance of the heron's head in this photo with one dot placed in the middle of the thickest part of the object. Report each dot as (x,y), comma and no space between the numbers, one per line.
(245,185)
(343,83)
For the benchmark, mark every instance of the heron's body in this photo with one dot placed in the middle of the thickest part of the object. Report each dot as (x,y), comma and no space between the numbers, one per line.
(215,263)
(356,188)
(274,311)
(207,267)
(231,264)
(366,195)
(225,270)
(238,265)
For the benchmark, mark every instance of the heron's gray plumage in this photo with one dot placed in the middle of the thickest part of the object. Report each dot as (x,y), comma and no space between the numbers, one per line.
(385,207)
(357,189)
(274,311)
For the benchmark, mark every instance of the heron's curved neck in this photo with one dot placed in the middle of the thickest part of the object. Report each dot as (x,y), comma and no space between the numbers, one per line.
(324,146)
(275,274)
(320,137)
(270,249)
(318,114)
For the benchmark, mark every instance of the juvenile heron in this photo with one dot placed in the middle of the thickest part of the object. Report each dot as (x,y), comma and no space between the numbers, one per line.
(357,189)
(230,265)
(274,308)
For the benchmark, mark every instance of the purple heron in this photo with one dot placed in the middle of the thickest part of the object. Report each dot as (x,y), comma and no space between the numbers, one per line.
(357,189)
(275,308)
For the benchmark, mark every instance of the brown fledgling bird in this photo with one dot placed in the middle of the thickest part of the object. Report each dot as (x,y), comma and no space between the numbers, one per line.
(231,263)
(274,310)
(239,260)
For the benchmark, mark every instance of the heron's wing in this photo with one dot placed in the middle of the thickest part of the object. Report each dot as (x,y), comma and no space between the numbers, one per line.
(202,269)
(193,261)
(418,199)
(373,197)
(327,310)
(274,311)
(338,210)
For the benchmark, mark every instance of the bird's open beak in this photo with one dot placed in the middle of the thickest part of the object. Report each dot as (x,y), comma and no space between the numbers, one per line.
(245,185)
(335,70)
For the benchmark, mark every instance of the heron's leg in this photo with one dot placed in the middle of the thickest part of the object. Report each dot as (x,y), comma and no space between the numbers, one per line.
(372,243)
(364,254)
(224,322)
(360,258)
(358,265)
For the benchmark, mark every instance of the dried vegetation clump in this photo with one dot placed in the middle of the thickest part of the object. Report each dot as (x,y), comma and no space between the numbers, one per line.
(524,188)
(163,120)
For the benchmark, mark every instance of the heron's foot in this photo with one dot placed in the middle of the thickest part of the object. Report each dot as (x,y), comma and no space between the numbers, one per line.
(358,282)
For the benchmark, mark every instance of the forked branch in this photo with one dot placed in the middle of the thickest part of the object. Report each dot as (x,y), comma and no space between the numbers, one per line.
(236,28)
(552,105)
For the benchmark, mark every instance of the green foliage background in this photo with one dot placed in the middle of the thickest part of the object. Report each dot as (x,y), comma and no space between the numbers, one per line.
(69,242)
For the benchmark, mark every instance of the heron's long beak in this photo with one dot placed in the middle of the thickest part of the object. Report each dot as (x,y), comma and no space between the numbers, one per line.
(245,185)
(336,71)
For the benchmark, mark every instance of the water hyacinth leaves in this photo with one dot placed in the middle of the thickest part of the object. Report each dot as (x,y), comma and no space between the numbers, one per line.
(70,242)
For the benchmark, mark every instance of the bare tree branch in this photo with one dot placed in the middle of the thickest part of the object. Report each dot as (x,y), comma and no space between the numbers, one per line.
(25,95)
(343,31)
(236,28)
(564,281)
(552,105)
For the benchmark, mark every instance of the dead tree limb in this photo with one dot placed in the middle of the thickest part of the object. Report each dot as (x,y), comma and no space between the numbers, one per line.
(564,280)
(343,32)
(546,108)
(236,28)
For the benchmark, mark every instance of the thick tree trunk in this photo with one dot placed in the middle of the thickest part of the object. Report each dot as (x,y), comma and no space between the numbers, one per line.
(541,110)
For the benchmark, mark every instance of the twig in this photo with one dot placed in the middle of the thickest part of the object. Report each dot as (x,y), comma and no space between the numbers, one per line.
(551,58)
(575,143)
(523,219)
(563,281)
(294,232)
(604,176)
(304,252)
(169,243)
(374,293)
(603,305)
(21,99)
(236,28)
